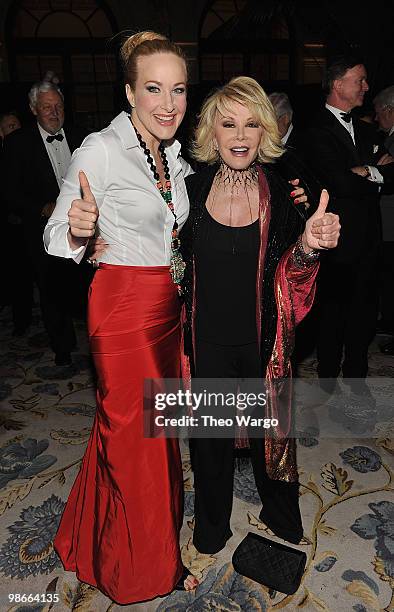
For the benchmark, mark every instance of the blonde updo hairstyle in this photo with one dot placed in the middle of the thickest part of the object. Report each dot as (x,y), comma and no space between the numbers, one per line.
(249,93)
(143,44)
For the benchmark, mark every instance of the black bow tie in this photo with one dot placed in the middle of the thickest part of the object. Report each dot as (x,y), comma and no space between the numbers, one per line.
(56,137)
(346,117)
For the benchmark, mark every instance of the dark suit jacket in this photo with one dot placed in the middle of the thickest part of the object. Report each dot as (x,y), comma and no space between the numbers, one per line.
(387,199)
(330,153)
(28,179)
(387,171)
(389,144)
(291,166)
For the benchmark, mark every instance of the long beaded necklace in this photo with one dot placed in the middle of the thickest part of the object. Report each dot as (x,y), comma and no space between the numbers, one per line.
(177,265)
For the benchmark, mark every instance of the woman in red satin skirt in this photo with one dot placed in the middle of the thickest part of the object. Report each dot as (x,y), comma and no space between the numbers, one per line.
(130,487)
(120,528)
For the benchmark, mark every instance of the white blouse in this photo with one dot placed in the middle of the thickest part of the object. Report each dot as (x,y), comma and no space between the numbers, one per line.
(133,219)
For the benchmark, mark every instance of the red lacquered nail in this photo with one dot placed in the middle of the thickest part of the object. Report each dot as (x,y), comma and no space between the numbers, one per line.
(292,193)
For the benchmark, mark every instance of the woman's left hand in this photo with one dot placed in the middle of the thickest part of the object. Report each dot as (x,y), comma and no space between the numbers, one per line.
(322,229)
(298,194)
(97,246)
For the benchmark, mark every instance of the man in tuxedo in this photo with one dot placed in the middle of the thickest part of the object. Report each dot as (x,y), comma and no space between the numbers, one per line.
(341,151)
(35,161)
(384,113)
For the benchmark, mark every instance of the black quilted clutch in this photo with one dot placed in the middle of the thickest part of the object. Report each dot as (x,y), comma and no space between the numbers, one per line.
(277,566)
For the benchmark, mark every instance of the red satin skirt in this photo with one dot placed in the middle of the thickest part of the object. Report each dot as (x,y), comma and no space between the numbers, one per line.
(120,527)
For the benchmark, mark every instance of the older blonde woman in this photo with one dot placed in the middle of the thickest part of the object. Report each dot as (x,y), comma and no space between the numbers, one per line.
(250,279)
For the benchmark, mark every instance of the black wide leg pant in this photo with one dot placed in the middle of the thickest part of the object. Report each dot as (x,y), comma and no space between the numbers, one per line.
(347,303)
(213,462)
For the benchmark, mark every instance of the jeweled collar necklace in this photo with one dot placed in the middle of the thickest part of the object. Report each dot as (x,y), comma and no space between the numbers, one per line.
(236,180)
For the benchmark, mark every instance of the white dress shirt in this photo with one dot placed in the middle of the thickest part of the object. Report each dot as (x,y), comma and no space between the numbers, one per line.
(58,152)
(374,174)
(133,219)
(347,125)
(286,136)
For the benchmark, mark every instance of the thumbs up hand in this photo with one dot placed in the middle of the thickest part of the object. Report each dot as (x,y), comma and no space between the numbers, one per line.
(83,213)
(322,229)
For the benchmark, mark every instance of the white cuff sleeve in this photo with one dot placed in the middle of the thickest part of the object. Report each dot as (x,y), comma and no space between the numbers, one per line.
(375,175)
(56,242)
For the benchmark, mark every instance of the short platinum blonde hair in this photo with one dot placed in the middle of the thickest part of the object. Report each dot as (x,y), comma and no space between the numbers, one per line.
(249,93)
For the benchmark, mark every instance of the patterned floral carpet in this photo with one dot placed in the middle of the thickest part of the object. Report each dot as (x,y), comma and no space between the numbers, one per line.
(46,413)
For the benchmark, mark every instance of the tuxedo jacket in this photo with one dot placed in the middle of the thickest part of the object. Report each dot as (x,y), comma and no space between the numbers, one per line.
(28,179)
(329,151)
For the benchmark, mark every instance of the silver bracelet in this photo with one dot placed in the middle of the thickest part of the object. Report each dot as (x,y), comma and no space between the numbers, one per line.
(302,259)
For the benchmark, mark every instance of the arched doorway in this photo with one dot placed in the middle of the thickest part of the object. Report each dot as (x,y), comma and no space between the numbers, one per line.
(241,37)
(71,39)
(278,42)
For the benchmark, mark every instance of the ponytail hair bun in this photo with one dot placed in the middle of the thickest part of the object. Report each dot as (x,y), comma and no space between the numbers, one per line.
(131,43)
(143,44)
